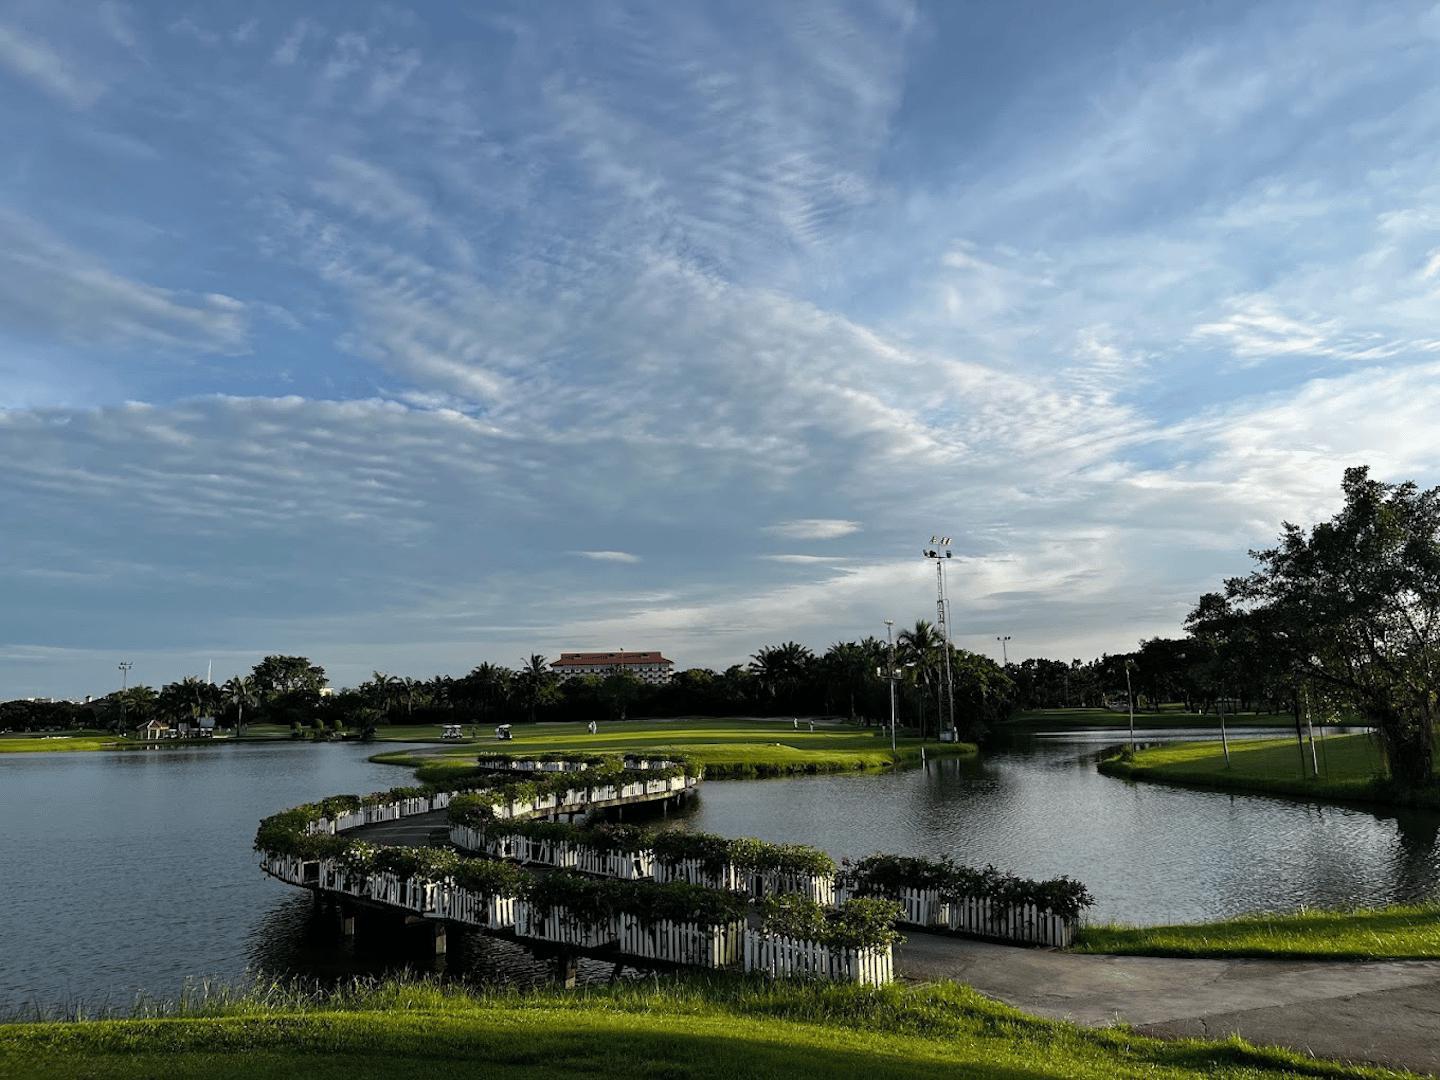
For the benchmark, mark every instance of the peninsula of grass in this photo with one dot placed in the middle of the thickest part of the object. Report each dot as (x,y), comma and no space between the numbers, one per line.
(1400,932)
(729,749)
(1166,719)
(722,1027)
(1350,769)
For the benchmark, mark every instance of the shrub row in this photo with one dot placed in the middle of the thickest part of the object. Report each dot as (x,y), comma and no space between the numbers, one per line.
(888,875)
(604,837)
(744,853)
(854,924)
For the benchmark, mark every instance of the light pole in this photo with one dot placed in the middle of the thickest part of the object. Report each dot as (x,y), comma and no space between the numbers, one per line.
(942,607)
(1130,701)
(890,674)
(124,666)
(1004,652)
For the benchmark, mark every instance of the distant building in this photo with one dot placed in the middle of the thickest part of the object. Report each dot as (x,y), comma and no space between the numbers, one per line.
(648,667)
(153,730)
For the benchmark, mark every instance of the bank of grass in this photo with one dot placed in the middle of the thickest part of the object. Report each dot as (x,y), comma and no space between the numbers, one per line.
(1166,719)
(729,749)
(722,1027)
(1398,932)
(1350,769)
(27,742)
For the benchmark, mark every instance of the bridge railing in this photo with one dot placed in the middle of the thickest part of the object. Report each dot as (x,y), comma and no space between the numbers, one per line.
(789,958)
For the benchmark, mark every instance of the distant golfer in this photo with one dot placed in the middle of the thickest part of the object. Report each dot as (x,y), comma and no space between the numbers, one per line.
(812,725)
(795,722)
(593,728)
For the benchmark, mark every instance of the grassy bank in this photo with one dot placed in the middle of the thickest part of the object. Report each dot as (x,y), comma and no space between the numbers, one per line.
(721,1027)
(1401,932)
(727,748)
(1166,719)
(1350,769)
(28,742)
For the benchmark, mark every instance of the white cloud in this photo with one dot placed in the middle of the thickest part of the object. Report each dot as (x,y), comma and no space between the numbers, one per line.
(610,556)
(41,65)
(52,290)
(815,528)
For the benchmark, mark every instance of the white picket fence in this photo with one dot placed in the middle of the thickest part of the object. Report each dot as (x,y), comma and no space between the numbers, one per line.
(920,907)
(789,958)
(625,865)
(473,909)
(558,926)
(1024,923)
(694,872)
(682,943)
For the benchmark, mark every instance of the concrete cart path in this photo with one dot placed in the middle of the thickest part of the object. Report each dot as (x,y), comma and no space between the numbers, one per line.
(1385,1012)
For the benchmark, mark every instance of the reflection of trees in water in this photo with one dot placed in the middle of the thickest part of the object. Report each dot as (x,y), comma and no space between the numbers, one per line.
(1417,833)
(298,938)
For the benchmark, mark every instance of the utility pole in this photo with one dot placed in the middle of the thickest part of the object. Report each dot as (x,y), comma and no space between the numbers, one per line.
(891,675)
(1130,700)
(124,666)
(942,608)
(1004,652)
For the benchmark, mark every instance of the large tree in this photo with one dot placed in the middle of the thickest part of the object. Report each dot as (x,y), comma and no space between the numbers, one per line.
(1355,601)
(277,675)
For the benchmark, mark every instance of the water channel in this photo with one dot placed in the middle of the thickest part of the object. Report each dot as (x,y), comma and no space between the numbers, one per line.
(129,873)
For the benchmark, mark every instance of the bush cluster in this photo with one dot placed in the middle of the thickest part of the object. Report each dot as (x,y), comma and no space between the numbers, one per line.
(745,854)
(886,875)
(855,924)
(594,901)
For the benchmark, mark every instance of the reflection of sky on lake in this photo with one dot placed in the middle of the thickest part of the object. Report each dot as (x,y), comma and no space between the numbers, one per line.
(134,871)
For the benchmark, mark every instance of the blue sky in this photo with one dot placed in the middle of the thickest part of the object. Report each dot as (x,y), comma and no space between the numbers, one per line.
(407,338)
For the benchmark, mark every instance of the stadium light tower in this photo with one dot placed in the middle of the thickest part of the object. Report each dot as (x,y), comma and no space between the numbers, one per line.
(124,666)
(939,550)
(1004,640)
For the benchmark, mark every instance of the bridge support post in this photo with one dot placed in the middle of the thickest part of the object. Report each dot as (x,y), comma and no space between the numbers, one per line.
(347,921)
(567,970)
(439,938)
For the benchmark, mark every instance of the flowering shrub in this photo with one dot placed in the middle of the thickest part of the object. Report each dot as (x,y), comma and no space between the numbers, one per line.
(715,852)
(856,924)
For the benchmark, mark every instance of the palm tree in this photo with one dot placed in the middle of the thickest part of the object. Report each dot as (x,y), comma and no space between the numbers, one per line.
(848,664)
(239,691)
(921,646)
(381,688)
(536,683)
(780,669)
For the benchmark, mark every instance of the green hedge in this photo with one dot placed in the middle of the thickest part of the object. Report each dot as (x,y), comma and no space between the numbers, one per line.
(594,901)
(745,853)
(887,875)
(854,924)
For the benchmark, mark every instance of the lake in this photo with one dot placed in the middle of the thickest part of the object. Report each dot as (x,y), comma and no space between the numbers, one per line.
(123,873)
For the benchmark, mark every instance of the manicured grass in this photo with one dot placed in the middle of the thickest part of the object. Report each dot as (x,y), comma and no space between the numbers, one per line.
(727,748)
(1108,719)
(26,742)
(1401,932)
(1350,769)
(722,1027)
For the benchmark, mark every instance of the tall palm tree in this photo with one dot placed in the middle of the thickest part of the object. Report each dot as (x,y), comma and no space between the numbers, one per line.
(781,669)
(920,649)
(239,691)
(381,688)
(536,683)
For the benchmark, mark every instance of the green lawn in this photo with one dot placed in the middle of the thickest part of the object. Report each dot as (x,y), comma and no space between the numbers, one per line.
(1350,769)
(1403,932)
(724,1027)
(727,748)
(1061,719)
(27,742)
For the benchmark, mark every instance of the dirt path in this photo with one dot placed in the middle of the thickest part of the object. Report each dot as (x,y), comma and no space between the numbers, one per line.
(1387,1013)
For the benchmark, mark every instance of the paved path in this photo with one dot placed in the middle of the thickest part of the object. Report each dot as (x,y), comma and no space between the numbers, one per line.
(1387,1012)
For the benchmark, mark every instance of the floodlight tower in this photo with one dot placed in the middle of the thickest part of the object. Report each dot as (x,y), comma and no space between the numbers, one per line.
(1004,640)
(124,666)
(939,550)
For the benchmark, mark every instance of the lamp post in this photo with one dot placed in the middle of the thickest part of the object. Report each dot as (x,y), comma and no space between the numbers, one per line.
(1130,701)
(124,666)
(1004,651)
(890,675)
(942,607)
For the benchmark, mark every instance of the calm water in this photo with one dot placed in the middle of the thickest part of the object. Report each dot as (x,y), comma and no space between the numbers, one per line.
(123,873)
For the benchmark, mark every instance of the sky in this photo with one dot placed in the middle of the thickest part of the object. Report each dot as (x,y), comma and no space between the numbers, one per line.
(410,337)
